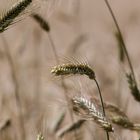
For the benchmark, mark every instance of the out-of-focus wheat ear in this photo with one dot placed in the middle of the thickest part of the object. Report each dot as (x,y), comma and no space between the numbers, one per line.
(133,87)
(120,47)
(117,116)
(136,127)
(87,110)
(122,121)
(4,123)
(59,122)
(125,123)
(70,128)
(7,17)
(40,137)
(42,22)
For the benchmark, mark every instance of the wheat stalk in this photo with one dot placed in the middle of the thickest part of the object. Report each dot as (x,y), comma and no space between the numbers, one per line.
(7,17)
(87,109)
(123,46)
(16,84)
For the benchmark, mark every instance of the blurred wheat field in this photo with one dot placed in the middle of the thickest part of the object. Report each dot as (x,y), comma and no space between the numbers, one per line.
(33,101)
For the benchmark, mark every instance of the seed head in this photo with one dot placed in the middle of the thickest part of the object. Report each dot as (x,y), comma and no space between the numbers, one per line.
(71,68)
(86,109)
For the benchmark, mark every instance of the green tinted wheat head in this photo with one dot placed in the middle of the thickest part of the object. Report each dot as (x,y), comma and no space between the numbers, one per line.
(87,109)
(71,68)
(7,17)
(40,137)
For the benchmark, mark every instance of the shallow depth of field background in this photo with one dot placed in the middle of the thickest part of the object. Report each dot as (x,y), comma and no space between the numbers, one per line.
(81,29)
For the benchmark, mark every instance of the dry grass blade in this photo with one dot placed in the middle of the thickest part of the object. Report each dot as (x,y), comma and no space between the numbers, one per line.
(59,122)
(71,68)
(70,128)
(42,22)
(133,87)
(86,109)
(8,16)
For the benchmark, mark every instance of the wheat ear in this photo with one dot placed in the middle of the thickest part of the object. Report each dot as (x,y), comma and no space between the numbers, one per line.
(7,17)
(117,116)
(87,110)
(71,68)
(133,87)
(43,23)
(70,128)
(82,69)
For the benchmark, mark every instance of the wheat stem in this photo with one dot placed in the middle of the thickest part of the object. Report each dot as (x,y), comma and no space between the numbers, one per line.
(15,81)
(102,103)
(122,40)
